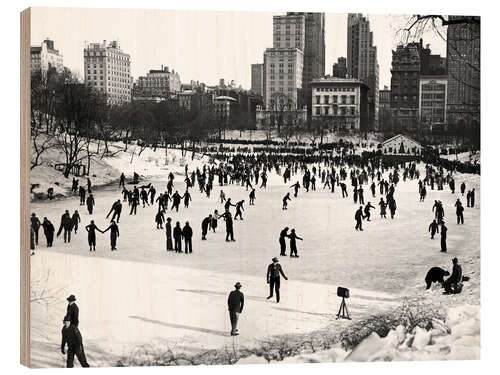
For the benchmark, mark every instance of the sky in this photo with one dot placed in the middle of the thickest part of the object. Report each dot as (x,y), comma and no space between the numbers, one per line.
(200,45)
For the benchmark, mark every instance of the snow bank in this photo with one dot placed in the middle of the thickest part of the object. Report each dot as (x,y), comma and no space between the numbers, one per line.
(456,339)
(150,163)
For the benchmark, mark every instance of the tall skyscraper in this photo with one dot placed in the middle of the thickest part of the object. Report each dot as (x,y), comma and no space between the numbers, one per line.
(283,64)
(314,51)
(305,33)
(410,63)
(362,60)
(463,60)
(257,79)
(107,70)
(339,69)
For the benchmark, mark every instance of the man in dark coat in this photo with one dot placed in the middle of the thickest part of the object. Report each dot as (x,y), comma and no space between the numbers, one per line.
(114,234)
(122,180)
(35,224)
(235,303)
(178,237)
(434,275)
(358,216)
(116,208)
(48,231)
(176,200)
(451,283)
(159,219)
(229,225)
(459,211)
(444,230)
(82,192)
(72,310)
(90,203)
(66,225)
(283,234)
(274,271)
(205,224)
(187,233)
(72,337)
(75,220)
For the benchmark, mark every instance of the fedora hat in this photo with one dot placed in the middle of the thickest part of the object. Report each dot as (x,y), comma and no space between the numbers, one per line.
(71,298)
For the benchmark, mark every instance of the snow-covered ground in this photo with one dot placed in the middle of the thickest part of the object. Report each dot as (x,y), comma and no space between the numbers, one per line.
(464,157)
(104,171)
(457,338)
(143,294)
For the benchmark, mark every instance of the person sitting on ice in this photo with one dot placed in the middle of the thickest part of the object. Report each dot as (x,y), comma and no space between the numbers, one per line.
(454,283)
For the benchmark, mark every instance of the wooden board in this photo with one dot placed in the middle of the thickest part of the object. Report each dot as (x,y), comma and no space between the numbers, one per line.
(25,183)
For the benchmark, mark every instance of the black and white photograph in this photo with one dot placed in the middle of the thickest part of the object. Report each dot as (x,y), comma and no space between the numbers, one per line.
(217,187)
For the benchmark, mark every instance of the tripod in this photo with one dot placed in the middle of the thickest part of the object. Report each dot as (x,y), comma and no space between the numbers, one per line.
(343,312)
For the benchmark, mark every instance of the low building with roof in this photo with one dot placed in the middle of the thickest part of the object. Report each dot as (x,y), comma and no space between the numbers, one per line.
(400,144)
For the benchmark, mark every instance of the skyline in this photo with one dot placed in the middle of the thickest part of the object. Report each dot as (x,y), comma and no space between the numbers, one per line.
(185,40)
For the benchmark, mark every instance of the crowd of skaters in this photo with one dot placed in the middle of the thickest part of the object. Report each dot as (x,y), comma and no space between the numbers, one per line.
(250,171)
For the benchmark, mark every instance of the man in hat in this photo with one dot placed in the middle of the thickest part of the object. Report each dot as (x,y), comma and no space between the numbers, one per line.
(235,303)
(72,337)
(273,278)
(72,311)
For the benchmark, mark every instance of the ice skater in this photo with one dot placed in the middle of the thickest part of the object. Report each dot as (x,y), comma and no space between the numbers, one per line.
(296,187)
(116,209)
(72,337)
(35,225)
(229,225)
(367,211)
(358,216)
(114,234)
(239,210)
(433,228)
(444,231)
(91,228)
(235,303)
(48,231)
(251,196)
(168,234)
(293,244)
(282,242)
(274,270)
(187,233)
(286,198)
(178,237)
(65,225)
(75,220)
(90,203)
(205,225)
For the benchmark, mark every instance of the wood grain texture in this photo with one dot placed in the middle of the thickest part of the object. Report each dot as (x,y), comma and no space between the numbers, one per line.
(25,45)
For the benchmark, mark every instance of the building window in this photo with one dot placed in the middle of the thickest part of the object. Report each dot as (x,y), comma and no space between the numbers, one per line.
(318,99)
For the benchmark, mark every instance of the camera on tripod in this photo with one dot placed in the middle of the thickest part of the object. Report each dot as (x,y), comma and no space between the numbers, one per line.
(343,312)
